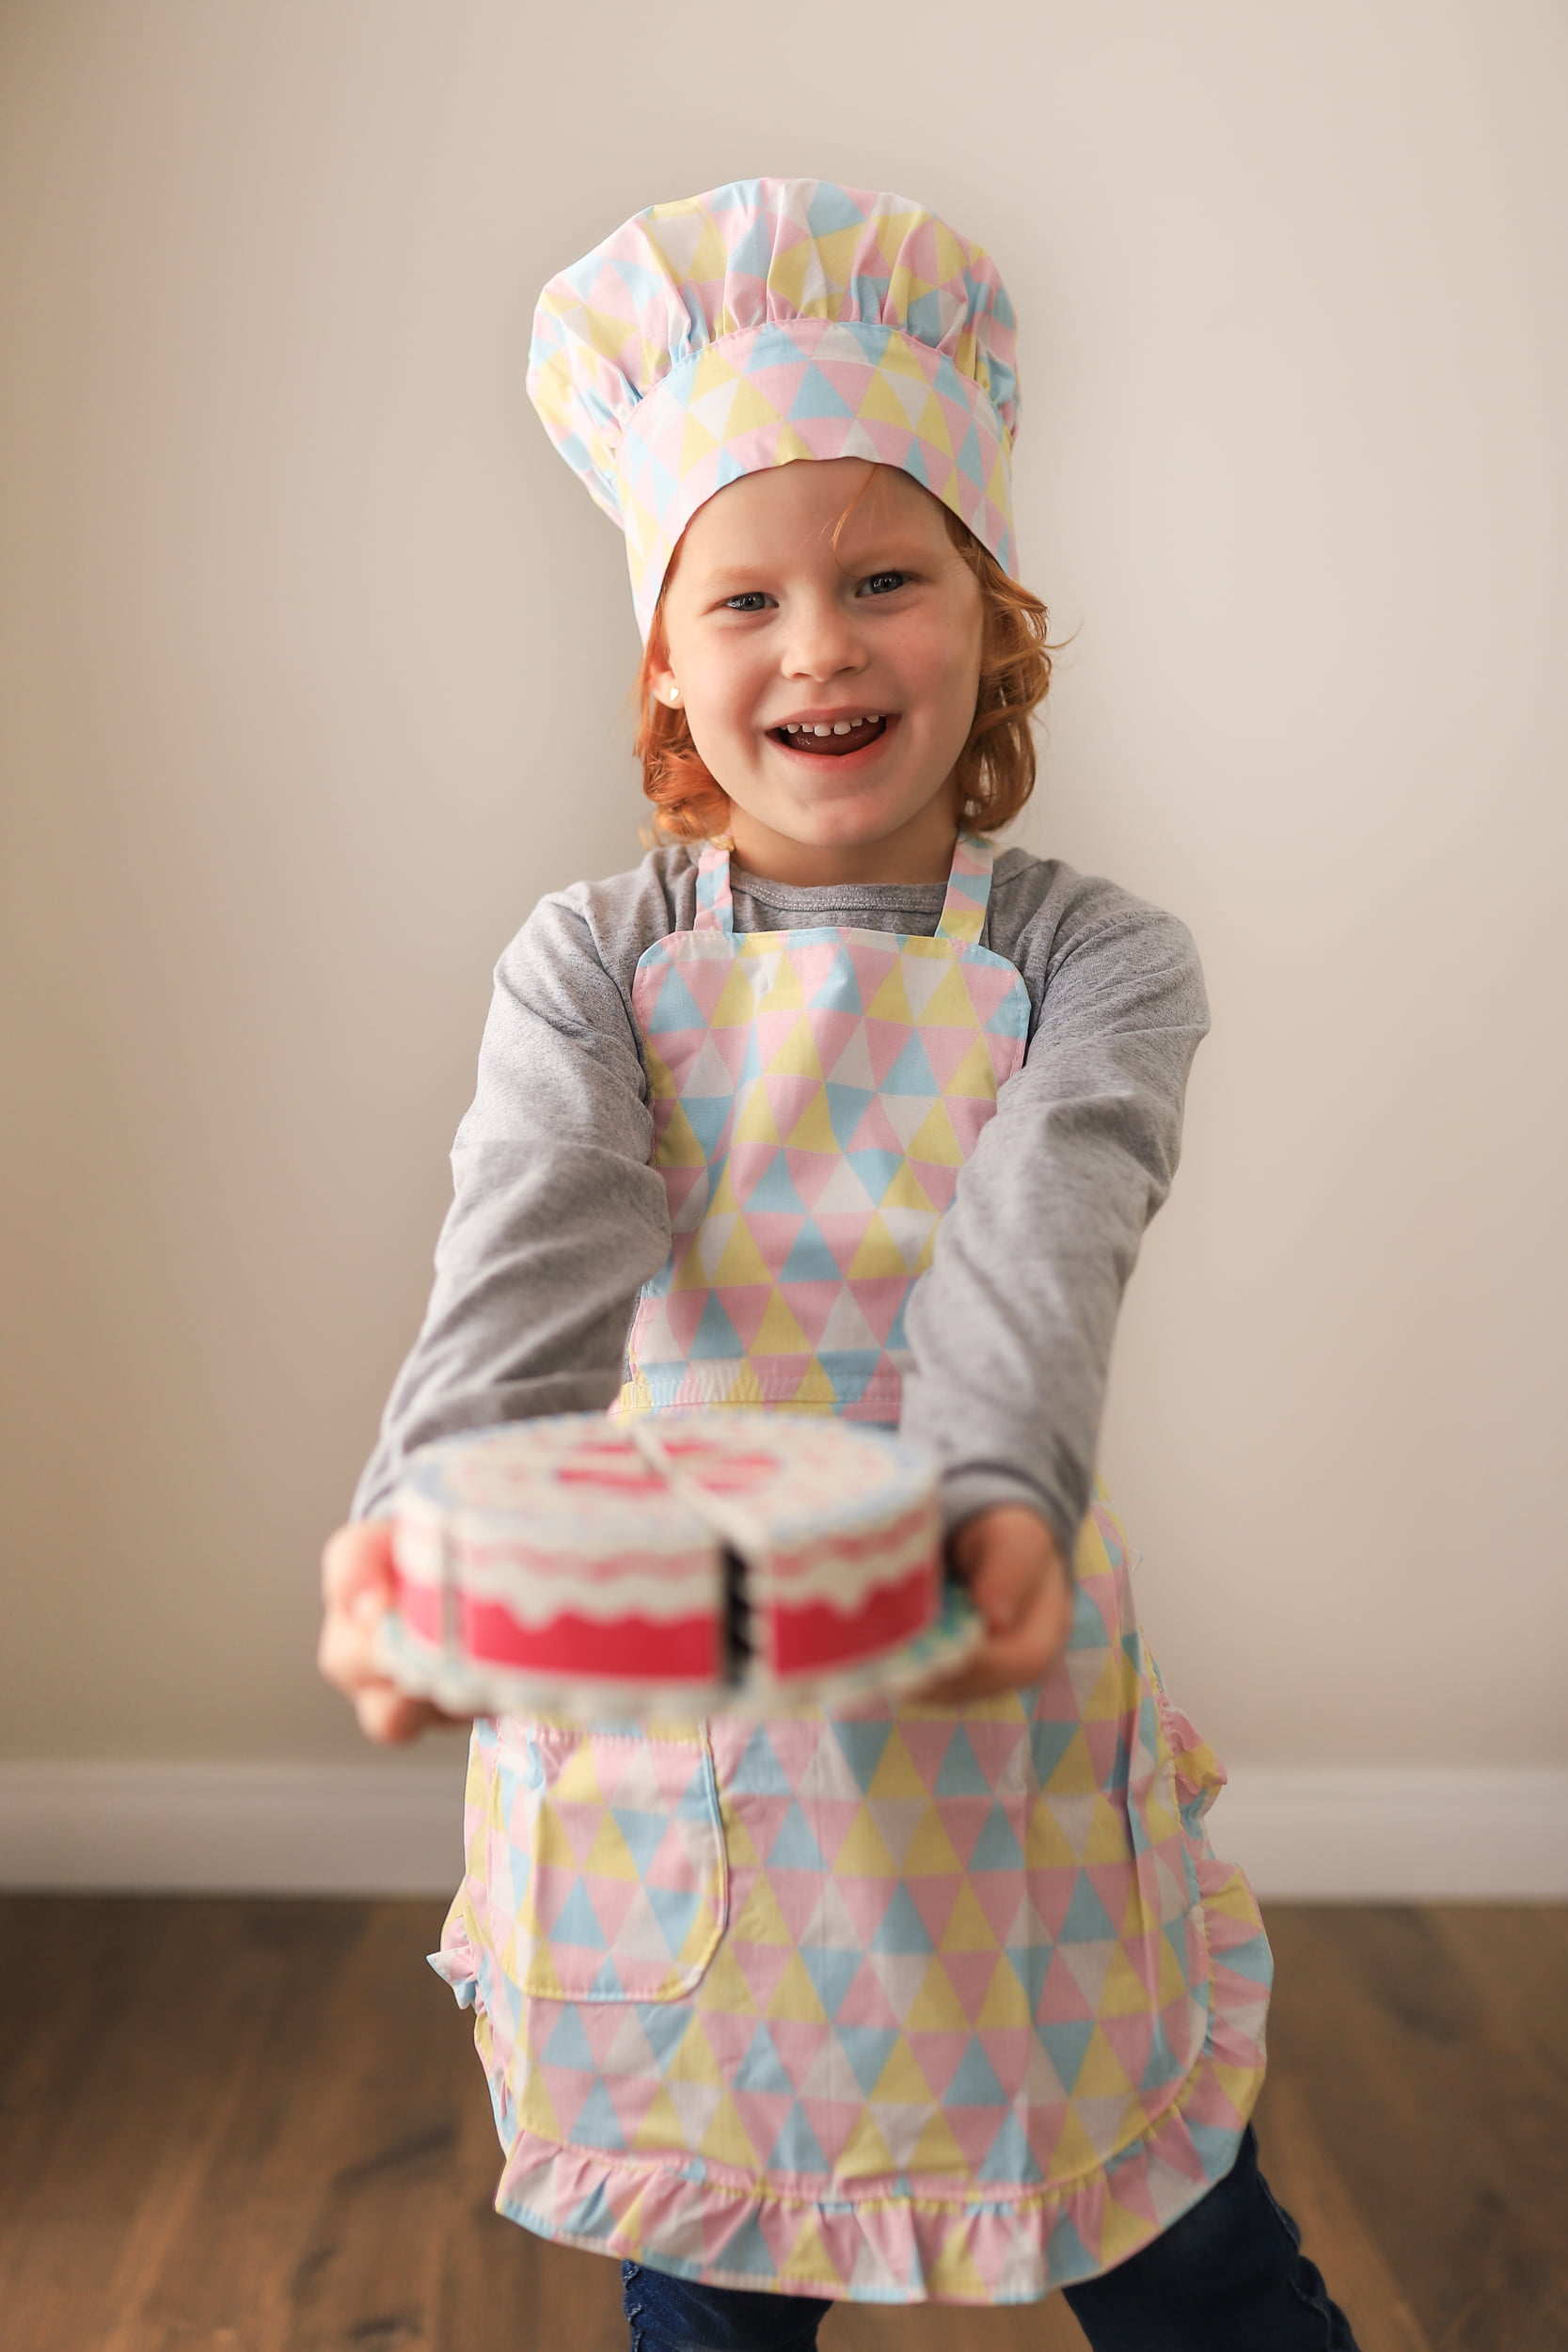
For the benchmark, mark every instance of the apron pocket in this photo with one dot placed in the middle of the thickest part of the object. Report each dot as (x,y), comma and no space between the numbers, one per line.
(605,1864)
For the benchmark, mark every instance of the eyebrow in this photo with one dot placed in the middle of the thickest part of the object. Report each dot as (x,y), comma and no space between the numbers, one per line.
(890,552)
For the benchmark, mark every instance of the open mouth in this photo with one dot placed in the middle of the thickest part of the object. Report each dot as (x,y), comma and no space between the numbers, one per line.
(830,739)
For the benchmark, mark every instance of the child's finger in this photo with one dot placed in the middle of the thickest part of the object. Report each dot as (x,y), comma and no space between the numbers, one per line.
(358,1559)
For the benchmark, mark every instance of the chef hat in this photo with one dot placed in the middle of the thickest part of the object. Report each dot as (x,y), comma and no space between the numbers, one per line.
(767,321)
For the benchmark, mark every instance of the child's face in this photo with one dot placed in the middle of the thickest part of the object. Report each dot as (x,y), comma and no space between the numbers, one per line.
(771,631)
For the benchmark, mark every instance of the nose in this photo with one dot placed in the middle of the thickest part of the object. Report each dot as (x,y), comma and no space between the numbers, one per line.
(823,641)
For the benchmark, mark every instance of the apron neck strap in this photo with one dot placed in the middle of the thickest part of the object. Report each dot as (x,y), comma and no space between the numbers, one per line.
(963,910)
(715,906)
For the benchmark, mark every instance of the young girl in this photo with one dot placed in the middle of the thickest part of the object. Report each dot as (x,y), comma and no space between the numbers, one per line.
(829,1107)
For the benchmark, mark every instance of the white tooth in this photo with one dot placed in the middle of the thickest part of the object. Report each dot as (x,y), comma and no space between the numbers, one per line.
(871,718)
(792,726)
(843,726)
(821,730)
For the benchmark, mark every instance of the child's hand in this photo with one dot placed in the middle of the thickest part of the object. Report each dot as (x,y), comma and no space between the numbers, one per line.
(1022,1587)
(357,1588)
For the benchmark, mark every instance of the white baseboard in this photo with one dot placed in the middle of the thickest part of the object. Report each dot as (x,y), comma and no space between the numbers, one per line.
(1395,1835)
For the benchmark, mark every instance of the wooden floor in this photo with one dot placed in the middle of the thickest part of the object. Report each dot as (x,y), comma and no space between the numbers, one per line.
(259,2124)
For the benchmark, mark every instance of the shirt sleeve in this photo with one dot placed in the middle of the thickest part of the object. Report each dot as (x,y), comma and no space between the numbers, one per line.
(557,1217)
(1011,1327)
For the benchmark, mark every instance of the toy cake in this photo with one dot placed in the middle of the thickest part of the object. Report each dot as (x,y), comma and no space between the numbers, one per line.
(706,1561)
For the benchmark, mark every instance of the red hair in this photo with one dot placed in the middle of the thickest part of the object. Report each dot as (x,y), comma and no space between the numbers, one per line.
(995,770)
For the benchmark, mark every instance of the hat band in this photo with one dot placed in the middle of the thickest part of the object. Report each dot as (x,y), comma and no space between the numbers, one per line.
(768,396)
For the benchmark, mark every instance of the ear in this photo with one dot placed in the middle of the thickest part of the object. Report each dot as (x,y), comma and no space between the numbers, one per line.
(661,678)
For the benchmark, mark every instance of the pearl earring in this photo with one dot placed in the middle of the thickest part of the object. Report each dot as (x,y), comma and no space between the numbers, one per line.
(673,694)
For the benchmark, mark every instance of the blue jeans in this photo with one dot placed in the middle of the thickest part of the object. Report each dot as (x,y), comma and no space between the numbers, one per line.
(1229,2276)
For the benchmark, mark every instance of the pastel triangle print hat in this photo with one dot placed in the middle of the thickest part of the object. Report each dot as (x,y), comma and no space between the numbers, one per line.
(773,320)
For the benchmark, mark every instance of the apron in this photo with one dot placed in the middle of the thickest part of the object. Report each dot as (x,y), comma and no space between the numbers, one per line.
(899,2005)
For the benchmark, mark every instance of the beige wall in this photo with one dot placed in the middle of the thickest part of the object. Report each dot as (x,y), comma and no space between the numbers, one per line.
(315,664)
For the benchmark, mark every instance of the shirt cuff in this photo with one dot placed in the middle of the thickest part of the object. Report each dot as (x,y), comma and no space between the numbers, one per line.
(966,1492)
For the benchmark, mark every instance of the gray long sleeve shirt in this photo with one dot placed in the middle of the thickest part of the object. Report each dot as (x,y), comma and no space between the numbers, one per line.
(558,1217)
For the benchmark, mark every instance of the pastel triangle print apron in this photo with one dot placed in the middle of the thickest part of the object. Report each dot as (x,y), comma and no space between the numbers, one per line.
(918,2004)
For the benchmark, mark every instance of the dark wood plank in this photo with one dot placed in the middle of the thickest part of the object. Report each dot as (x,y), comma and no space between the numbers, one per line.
(261,2127)
(1440,2128)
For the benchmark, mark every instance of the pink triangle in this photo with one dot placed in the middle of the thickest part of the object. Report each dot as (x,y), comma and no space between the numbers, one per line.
(963,1818)
(611,1899)
(810,1303)
(761,1964)
(884,1041)
(866,2003)
(844,1230)
(878,1296)
(774,1231)
(749,1163)
(974,2129)
(1007,2048)
(706,976)
(746,1303)
(832,1030)
(969,1974)
(1132,2039)
(796,2041)
(731,1046)
(677,1049)
(778,382)
(874,1131)
(945,1049)
(996,1892)
(810,1170)
(934,1897)
(939,2056)
(789,1094)
(866,1901)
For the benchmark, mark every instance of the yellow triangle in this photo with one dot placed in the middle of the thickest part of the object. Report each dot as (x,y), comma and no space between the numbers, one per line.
(694,2061)
(737,1003)
(701,1937)
(539,1977)
(552,1849)
(1006,2002)
(744,1388)
(863,1853)
(930,1852)
(723,1990)
(975,1078)
(1123,1993)
(936,2151)
(865,2154)
(738,1843)
(932,426)
(1047,1846)
(901,2082)
(797,1056)
(1075,2152)
(661,2127)
(814,1391)
(610,1856)
(535,2108)
(881,405)
(678,1146)
(795,1996)
(905,1191)
(1120,2231)
(723,1200)
(778,1334)
(697,442)
(808,2260)
(783,993)
(813,1130)
(761,1921)
(968,1929)
(936,2008)
(578,1779)
(1073,1774)
(1106,1701)
(1101,2075)
(935,1140)
(1107,1838)
(726,2141)
(754,1120)
(741,1261)
(750,412)
(950,1005)
(896,1775)
(956,2275)
(878,1253)
(890,1002)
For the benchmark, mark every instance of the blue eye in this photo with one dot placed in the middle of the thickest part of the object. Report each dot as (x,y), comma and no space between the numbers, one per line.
(883,583)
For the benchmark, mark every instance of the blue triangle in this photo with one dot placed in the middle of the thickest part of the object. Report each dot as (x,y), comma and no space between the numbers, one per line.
(960,1775)
(1066,2042)
(809,1259)
(832,207)
(774,1189)
(1252,1959)
(674,1007)
(924,319)
(674,1908)
(1217,2147)
(576,1923)
(913,462)
(840,988)
(716,1335)
(592,2217)
(794,1847)
(846,1109)
(997,1847)
(1070,2259)
(710,1114)
(866,2048)
(568,2044)
(902,1928)
(1088,1920)
(597,2124)
(1009,2158)
(762,2069)
(666,2023)
(975,2085)
(861,1745)
(970,460)
(643,1833)
(607,1985)
(849,1371)
(876,1169)
(831,1970)
(1048,1743)
(796,2150)
(816,397)
(698,1801)
(911,1073)
(759,1774)
(1162,2066)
